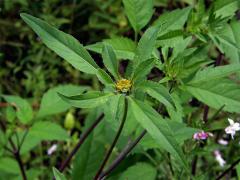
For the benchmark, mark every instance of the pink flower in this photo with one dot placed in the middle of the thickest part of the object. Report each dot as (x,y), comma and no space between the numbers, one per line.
(219,158)
(201,135)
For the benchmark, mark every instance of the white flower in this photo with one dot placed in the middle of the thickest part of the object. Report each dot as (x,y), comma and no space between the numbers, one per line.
(219,158)
(232,128)
(52,149)
(223,142)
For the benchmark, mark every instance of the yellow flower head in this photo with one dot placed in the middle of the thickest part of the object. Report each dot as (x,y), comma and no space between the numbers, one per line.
(123,85)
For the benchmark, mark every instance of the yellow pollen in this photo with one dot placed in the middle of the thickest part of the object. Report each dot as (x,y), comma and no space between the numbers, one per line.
(123,85)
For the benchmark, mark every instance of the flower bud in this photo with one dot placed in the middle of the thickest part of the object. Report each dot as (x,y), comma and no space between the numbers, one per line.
(69,121)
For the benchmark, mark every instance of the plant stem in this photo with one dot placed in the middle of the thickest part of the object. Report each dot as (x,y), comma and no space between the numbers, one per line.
(122,155)
(81,141)
(228,170)
(114,141)
(135,36)
(205,113)
(17,156)
(16,153)
(20,163)
(194,165)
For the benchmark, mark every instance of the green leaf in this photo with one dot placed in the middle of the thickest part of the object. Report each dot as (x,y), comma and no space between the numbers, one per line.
(9,165)
(211,74)
(238,170)
(48,131)
(89,157)
(10,114)
(139,171)
(58,175)
(24,110)
(232,52)
(173,20)
(114,114)
(88,100)
(110,60)
(142,70)
(104,77)
(158,92)
(63,44)
(29,143)
(146,44)
(217,93)
(51,102)
(226,8)
(139,12)
(158,129)
(123,47)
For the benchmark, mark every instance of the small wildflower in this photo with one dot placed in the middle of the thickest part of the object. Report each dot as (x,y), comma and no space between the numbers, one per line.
(123,85)
(52,149)
(232,128)
(201,135)
(219,158)
(223,142)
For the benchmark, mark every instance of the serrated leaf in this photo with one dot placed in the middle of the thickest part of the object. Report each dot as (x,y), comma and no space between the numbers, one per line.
(159,130)
(173,20)
(226,8)
(144,171)
(24,110)
(46,130)
(90,99)
(232,52)
(158,92)
(142,70)
(51,103)
(139,12)
(110,60)
(104,77)
(65,45)
(217,94)
(146,45)
(211,74)
(123,47)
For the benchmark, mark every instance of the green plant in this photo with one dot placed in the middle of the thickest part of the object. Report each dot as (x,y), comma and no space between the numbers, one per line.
(162,94)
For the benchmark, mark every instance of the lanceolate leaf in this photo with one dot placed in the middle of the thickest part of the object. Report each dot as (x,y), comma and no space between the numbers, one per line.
(156,126)
(158,92)
(123,47)
(173,20)
(139,12)
(146,44)
(142,70)
(110,60)
(88,100)
(63,44)
(104,77)
(226,8)
(89,157)
(211,74)
(217,94)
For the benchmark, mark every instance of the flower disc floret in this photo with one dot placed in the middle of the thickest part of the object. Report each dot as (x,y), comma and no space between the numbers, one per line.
(123,85)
